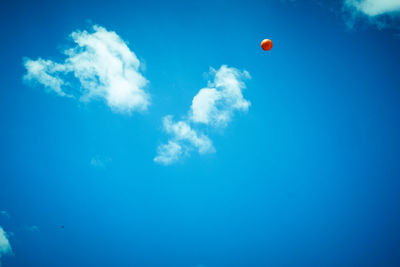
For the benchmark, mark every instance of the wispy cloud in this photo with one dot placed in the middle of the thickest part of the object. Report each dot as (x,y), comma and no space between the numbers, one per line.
(374,7)
(213,106)
(168,153)
(183,139)
(5,247)
(382,13)
(99,66)
(379,13)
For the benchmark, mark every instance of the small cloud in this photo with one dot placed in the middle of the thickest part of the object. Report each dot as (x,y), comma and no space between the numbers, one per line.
(182,132)
(382,13)
(5,247)
(168,153)
(374,7)
(183,140)
(5,214)
(213,106)
(100,66)
(216,104)
(101,162)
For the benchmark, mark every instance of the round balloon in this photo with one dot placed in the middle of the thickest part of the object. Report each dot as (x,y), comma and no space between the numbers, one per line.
(266,44)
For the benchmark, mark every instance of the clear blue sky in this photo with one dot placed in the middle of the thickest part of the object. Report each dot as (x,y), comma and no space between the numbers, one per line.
(308,176)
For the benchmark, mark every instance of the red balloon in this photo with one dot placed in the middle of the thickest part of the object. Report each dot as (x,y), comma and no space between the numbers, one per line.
(266,44)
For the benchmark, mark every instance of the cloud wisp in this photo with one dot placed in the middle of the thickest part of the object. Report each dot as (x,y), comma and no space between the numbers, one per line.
(183,140)
(382,13)
(374,7)
(213,106)
(5,247)
(99,67)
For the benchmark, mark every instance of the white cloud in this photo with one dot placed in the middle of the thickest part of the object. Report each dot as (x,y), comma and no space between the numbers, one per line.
(99,66)
(5,247)
(181,131)
(168,153)
(213,106)
(374,7)
(183,139)
(45,72)
(216,104)
(381,13)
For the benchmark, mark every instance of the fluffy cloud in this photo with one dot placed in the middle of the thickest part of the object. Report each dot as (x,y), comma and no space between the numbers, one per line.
(216,104)
(182,132)
(168,153)
(5,247)
(99,66)
(374,7)
(45,73)
(183,140)
(213,106)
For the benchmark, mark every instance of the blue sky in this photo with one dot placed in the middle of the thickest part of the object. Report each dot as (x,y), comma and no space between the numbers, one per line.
(169,138)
